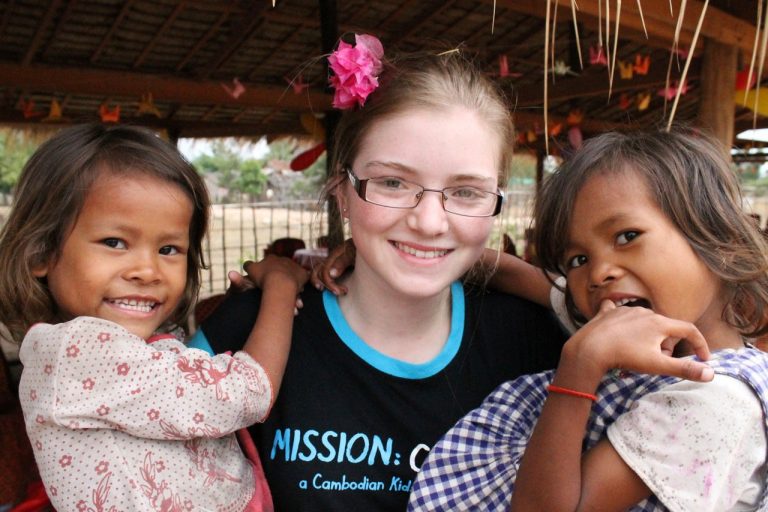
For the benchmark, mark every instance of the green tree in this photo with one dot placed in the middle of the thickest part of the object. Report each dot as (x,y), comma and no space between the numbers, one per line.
(252,179)
(231,172)
(15,149)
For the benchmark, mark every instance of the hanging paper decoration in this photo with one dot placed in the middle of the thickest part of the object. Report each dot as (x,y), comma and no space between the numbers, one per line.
(109,115)
(297,83)
(28,109)
(313,125)
(575,117)
(575,137)
(236,90)
(741,80)
(504,71)
(682,52)
(555,129)
(642,64)
(561,69)
(625,101)
(643,101)
(749,101)
(54,113)
(670,92)
(626,70)
(597,56)
(307,158)
(147,106)
(503,65)
(531,136)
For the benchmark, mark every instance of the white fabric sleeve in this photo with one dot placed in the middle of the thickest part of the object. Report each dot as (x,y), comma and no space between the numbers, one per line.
(697,446)
(557,301)
(98,375)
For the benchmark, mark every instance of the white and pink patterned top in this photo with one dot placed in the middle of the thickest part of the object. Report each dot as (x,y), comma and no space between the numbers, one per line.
(120,424)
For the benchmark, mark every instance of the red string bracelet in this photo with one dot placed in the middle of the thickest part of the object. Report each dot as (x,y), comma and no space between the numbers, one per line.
(572,392)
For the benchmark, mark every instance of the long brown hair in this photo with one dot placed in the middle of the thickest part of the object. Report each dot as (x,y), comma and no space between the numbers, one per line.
(50,195)
(692,183)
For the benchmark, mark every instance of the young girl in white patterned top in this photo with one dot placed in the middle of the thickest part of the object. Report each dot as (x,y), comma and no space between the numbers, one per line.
(103,248)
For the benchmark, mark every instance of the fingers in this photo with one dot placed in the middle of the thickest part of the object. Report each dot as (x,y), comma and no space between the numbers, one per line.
(239,282)
(606,305)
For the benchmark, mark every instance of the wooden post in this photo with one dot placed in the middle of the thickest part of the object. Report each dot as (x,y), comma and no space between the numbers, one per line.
(718,86)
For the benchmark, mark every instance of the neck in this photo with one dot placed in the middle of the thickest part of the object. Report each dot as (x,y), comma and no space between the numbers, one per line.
(405,327)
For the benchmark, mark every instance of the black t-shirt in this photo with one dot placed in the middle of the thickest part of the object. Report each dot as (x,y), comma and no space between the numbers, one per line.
(351,426)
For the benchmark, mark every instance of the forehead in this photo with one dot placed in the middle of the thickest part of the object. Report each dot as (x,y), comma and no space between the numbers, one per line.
(442,141)
(610,195)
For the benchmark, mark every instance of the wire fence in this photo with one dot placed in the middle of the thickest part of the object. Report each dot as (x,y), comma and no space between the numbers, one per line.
(239,232)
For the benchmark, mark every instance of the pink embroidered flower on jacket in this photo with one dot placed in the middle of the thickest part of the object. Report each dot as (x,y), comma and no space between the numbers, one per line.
(102,467)
(123,368)
(356,69)
(88,383)
(73,351)
(65,460)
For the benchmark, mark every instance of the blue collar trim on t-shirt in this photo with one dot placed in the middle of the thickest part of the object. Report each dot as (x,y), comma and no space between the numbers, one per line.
(391,365)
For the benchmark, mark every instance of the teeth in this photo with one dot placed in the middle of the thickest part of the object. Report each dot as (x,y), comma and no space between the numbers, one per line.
(143,306)
(421,254)
(622,302)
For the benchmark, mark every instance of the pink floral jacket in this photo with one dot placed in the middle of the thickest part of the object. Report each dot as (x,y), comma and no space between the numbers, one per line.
(118,423)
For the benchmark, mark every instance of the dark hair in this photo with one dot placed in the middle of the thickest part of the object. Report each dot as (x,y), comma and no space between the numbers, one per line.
(50,195)
(692,183)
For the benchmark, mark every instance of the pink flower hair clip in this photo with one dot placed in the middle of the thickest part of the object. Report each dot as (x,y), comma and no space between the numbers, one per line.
(356,70)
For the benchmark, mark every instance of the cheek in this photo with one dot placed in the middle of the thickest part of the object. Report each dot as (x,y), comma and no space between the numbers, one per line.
(473,232)
(577,287)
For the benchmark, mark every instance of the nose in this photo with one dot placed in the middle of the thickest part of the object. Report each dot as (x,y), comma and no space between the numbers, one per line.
(144,267)
(429,217)
(602,272)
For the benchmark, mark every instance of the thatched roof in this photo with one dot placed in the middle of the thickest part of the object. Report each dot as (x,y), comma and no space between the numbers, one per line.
(185,54)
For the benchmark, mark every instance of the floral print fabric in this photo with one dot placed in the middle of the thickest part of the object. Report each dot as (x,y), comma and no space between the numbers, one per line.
(120,424)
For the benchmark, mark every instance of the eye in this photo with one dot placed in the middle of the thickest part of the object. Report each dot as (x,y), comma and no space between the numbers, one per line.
(576,261)
(626,237)
(465,193)
(391,183)
(169,250)
(114,243)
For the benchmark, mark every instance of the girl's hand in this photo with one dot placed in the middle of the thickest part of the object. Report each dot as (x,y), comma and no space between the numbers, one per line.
(338,261)
(271,267)
(639,340)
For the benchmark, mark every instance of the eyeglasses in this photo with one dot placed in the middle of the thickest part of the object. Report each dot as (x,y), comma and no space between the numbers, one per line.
(394,192)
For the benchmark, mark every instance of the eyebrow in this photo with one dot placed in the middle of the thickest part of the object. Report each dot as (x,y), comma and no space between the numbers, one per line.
(410,170)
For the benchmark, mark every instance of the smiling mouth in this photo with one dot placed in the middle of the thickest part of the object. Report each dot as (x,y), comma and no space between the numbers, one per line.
(141,306)
(436,253)
(633,303)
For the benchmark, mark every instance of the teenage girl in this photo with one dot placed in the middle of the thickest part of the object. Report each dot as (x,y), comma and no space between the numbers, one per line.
(376,376)
(101,253)
(662,263)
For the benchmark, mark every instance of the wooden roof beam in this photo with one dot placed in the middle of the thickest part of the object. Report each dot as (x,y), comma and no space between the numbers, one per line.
(191,129)
(118,83)
(159,34)
(42,28)
(717,25)
(112,29)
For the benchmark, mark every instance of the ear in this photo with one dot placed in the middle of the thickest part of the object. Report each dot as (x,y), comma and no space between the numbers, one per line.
(40,269)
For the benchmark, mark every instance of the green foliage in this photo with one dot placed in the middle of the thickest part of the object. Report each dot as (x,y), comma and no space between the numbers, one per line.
(15,149)
(230,171)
